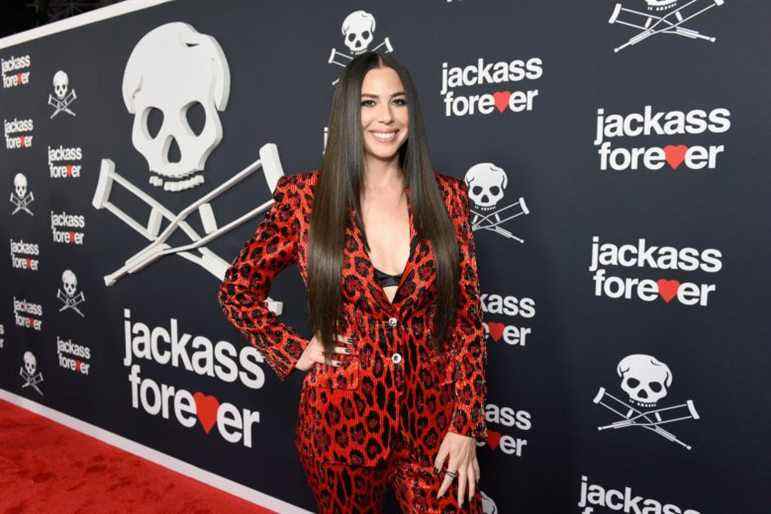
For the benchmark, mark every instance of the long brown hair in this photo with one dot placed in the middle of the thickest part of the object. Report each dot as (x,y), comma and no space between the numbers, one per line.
(340,182)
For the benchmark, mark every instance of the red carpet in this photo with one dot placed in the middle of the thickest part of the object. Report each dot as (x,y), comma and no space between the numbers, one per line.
(48,468)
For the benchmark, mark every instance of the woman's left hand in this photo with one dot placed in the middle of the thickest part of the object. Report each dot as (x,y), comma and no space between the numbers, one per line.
(462,452)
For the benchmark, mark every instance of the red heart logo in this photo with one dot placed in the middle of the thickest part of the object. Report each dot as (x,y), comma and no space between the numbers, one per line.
(668,288)
(206,409)
(495,330)
(493,438)
(502,99)
(675,155)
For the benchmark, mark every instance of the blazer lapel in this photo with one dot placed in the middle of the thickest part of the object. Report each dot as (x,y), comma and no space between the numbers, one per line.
(410,266)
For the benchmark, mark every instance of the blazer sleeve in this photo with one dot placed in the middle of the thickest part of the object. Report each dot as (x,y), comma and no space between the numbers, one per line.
(243,292)
(468,333)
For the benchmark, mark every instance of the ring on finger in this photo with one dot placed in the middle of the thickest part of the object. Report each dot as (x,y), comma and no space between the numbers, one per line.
(452,474)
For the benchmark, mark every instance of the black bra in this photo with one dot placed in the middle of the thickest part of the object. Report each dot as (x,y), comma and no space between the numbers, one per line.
(386,280)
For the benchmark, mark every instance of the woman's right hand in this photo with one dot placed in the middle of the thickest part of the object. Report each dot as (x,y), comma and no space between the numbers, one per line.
(314,353)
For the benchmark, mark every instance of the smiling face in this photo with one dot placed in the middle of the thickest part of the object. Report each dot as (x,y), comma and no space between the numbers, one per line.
(384,114)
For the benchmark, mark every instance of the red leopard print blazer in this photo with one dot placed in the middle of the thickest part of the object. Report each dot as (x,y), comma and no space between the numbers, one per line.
(394,384)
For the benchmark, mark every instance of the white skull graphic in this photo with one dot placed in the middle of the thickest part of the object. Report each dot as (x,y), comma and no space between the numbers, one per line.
(486,183)
(660,5)
(359,30)
(69,282)
(20,185)
(171,69)
(30,362)
(488,505)
(61,84)
(644,379)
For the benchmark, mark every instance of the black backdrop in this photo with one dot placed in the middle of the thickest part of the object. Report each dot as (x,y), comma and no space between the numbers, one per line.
(561,356)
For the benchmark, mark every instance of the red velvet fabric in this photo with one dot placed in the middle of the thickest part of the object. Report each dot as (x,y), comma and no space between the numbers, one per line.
(47,468)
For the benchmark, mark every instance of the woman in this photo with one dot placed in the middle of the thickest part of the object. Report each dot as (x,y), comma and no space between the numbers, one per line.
(394,389)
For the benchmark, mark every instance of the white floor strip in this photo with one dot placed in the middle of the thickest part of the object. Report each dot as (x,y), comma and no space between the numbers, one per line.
(100,14)
(167,461)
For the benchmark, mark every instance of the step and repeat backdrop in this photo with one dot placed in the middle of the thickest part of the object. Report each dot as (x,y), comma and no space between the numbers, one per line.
(618,159)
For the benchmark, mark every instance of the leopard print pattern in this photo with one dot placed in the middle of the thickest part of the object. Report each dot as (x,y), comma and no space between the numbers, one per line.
(352,413)
(342,489)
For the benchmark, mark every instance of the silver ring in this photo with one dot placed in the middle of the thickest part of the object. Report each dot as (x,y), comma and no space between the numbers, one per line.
(452,474)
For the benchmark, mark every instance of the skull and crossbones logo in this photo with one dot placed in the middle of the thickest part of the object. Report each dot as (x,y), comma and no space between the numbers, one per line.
(68,297)
(486,185)
(30,373)
(358,32)
(663,17)
(646,381)
(21,196)
(62,101)
(172,68)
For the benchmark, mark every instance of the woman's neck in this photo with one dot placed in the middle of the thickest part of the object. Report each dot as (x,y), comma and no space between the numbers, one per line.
(382,178)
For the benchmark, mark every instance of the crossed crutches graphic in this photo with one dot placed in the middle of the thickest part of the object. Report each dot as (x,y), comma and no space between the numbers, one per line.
(493,221)
(71,302)
(31,379)
(63,104)
(346,59)
(670,23)
(649,420)
(211,262)
(22,203)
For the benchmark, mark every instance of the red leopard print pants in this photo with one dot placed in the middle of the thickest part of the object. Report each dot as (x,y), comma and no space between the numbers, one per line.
(340,488)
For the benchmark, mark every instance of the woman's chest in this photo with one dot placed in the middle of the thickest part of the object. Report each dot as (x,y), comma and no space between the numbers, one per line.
(388,233)
(359,286)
